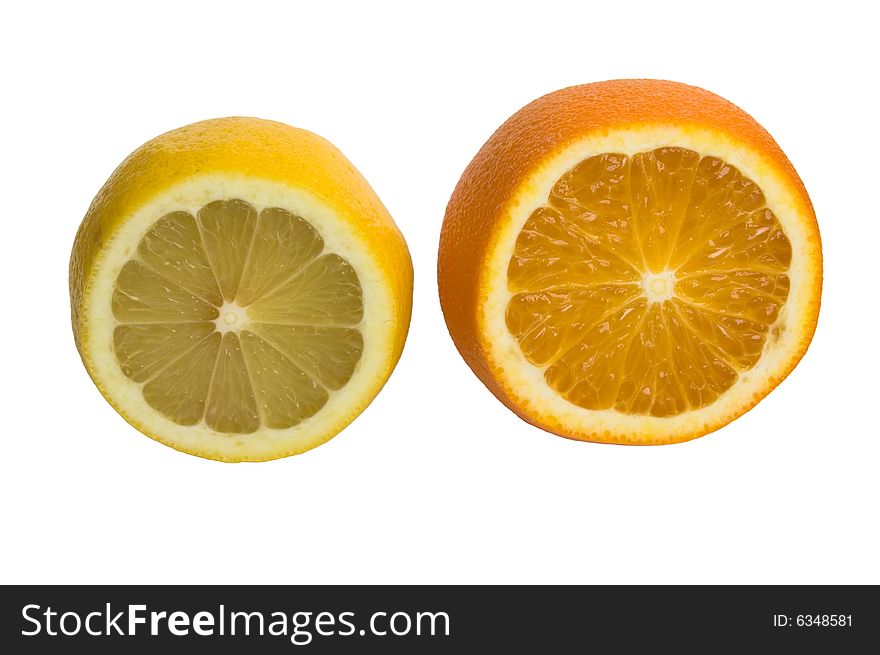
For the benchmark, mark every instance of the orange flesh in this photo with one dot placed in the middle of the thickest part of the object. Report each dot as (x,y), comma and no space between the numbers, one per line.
(237,318)
(648,283)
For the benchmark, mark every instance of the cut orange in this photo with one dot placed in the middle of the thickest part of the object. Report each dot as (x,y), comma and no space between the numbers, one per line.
(238,290)
(633,261)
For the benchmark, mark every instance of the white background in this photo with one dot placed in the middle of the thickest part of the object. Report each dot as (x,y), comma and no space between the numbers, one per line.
(436,481)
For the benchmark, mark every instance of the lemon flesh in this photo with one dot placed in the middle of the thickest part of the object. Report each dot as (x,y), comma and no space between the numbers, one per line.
(648,283)
(236,318)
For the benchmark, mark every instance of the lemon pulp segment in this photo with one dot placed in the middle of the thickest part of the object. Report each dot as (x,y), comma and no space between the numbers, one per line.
(648,283)
(237,318)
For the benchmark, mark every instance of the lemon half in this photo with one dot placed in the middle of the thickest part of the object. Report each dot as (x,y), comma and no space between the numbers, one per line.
(238,291)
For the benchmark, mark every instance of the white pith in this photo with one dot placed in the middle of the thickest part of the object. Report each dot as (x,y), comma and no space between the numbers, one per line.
(525,383)
(658,287)
(233,318)
(338,236)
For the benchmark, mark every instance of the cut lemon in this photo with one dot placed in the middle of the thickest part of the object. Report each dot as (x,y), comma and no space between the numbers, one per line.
(632,261)
(238,290)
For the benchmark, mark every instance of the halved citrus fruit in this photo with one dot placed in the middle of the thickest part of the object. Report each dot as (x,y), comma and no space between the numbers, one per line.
(238,291)
(633,261)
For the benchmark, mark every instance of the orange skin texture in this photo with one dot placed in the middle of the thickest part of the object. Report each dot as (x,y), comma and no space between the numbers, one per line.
(537,133)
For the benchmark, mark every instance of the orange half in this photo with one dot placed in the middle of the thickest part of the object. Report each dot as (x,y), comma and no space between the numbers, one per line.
(633,261)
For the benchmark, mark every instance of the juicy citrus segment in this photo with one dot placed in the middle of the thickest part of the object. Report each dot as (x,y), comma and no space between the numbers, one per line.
(143,296)
(232,406)
(589,373)
(596,193)
(547,323)
(555,246)
(325,292)
(740,340)
(754,243)
(327,354)
(286,394)
(190,309)
(282,245)
(660,183)
(648,282)
(227,233)
(180,390)
(741,294)
(143,349)
(172,248)
(721,201)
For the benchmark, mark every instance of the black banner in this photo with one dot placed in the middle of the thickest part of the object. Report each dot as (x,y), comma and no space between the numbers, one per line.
(414,619)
